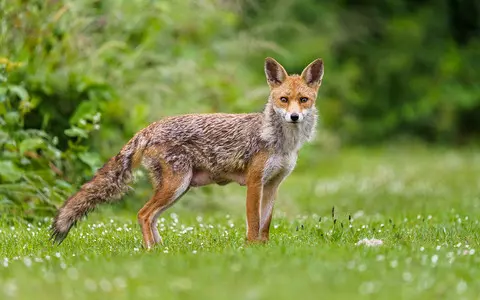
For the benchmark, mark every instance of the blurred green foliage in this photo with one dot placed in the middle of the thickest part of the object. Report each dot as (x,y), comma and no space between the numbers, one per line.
(34,172)
(399,67)
(392,68)
(395,67)
(135,61)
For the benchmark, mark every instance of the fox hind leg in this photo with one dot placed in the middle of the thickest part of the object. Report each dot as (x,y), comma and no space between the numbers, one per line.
(169,189)
(179,193)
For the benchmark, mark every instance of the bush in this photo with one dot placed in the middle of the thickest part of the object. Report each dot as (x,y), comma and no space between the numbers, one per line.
(398,68)
(33,170)
(134,61)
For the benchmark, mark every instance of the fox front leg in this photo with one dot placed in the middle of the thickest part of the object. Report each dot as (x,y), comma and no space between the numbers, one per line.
(268,200)
(254,196)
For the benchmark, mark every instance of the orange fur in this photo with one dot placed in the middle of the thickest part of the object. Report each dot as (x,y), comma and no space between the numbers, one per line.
(294,88)
(254,195)
(164,197)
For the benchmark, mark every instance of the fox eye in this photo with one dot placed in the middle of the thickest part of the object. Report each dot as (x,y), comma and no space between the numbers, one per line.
(284,99)
(303,99)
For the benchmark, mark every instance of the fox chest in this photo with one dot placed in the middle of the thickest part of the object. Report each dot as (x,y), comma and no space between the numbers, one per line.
(279,165)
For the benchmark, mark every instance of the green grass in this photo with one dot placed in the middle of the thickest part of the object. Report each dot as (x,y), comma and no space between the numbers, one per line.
(422,203)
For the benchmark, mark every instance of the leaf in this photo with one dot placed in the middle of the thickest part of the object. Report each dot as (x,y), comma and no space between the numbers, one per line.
(4,137)
(31,144)
(20,91)
(91,159)
(86,108)
(9,172)
(16,188)
(12,118)
(76,132)
(63,185)
(6,201)
(3,91)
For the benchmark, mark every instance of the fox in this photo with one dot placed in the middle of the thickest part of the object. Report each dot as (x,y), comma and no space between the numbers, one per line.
(257,150)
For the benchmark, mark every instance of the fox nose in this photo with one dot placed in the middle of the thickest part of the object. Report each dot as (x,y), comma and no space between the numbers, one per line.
(294,117)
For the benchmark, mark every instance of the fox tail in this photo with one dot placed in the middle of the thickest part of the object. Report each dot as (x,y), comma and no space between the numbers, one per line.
(109,183)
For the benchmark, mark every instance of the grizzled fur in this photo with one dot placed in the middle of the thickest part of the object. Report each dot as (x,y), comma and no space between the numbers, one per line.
(202,149)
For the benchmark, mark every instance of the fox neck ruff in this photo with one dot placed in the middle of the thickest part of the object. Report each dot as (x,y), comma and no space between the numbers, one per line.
(285,137)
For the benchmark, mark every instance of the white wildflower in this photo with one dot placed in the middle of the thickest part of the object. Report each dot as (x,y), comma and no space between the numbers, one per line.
(393,263)
(27,261)
(370,242)
(461,287)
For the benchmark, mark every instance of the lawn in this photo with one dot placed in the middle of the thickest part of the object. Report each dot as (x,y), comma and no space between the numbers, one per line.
(423,203)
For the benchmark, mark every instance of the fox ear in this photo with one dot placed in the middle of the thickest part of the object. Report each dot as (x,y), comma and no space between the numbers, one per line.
(313,73)
(275,73)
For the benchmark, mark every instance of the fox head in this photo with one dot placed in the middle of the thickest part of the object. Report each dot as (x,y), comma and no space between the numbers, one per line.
(293,96)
